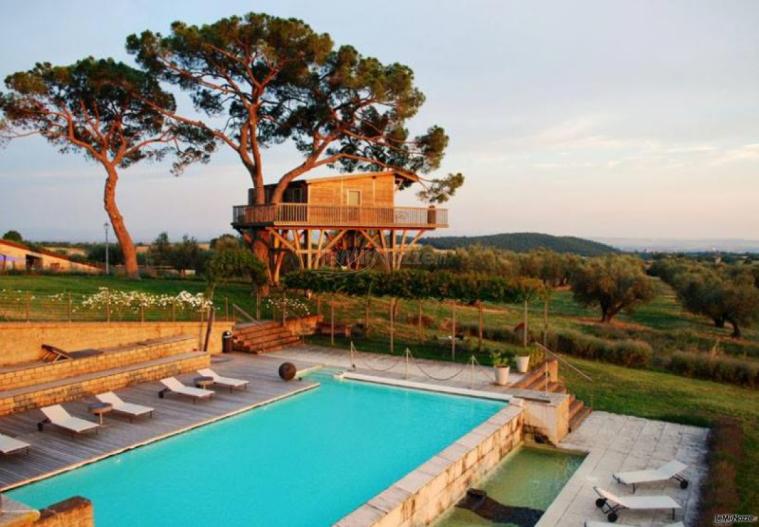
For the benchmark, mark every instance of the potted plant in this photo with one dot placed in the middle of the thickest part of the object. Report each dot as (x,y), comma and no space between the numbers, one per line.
(502,361)
(523,361)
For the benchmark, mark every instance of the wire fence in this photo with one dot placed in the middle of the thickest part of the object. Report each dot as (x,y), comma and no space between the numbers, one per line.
(72,308)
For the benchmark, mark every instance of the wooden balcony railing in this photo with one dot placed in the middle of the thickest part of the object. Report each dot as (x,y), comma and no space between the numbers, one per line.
(306,215)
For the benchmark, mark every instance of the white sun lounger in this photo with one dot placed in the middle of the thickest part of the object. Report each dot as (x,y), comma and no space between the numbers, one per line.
(671,470)
(122,407)
(58,416)
(174,386)
(611,504)
(229,382)
(607,524)
(9,445)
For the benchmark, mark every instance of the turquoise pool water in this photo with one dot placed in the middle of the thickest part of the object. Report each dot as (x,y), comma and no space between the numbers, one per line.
(519,490)
(304,461)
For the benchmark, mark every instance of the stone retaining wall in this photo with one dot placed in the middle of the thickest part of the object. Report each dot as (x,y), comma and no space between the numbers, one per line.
(73,512)
(124,356)
(424,494)
(22,341)
(94,383)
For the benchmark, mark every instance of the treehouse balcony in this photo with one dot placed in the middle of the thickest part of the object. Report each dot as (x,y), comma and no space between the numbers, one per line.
(305,215)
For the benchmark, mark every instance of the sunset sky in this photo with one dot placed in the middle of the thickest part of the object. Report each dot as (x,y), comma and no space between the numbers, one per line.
(596,119)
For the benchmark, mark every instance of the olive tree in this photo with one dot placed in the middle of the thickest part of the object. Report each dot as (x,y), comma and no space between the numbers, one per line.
(613,283)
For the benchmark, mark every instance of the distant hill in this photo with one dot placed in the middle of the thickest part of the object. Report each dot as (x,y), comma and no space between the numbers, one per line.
(523,242)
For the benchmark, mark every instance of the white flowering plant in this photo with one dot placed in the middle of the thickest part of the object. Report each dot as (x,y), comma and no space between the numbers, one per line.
(292,306)
(136,300)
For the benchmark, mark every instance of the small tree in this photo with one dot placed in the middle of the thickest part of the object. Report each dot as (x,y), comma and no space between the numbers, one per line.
(98,108)
(613,283)
(13,236)
(160,251)
(228,262)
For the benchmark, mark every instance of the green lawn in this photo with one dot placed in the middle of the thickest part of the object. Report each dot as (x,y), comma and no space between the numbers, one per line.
(43,285)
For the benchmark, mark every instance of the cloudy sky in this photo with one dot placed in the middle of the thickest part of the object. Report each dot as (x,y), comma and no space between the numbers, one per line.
(590,118)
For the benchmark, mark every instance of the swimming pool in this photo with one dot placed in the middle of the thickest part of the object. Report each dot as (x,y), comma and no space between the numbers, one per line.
(304,461)
(518,491)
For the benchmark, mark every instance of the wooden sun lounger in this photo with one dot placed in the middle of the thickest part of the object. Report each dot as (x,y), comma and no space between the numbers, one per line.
(58,416)
(611,504)
(172,385)
(122,407)
(671,470)
(10,445)
(54,354)
(229,382)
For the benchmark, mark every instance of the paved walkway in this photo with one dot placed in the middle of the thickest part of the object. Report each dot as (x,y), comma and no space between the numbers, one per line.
(621,443)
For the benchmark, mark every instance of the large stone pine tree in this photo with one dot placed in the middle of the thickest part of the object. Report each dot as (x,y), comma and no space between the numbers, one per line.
(266,80)
(96,107)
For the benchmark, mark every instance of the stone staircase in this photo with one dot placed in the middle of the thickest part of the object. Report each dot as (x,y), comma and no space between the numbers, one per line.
(538,380)
(261,336)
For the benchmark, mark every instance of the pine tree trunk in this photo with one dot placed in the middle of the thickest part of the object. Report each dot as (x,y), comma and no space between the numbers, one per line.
(117,222)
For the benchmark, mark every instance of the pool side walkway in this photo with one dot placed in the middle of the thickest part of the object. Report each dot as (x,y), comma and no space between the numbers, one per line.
(54,450)
(622,443)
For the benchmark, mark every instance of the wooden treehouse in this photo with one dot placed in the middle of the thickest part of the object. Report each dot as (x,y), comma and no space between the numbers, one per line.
(348,221)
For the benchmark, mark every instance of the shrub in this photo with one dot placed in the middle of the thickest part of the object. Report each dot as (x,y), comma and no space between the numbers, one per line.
(628,352)
(726,443)
(723,369)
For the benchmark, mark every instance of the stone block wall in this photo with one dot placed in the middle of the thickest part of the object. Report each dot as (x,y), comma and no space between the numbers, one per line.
(124,356)
(26,399)
(72,512)
(22,341)
(427,492)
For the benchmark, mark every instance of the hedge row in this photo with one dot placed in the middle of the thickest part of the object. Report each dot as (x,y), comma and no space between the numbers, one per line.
(726,454)
(720,368)
(628,352)
(413,283)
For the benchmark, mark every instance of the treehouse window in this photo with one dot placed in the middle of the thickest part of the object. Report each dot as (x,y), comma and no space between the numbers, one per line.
(353,198)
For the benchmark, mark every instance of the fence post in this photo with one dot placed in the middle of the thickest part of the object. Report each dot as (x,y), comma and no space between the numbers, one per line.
(108,306)
(226,309)
(525,329)
(419,323)
(453,331)
(332,322)
(258,304)
(545,322)
(405,374)
(70,307)
(142,314)
(479,345)
(367,307)
(28,305)
(173,312)
(284,308)
(392,325)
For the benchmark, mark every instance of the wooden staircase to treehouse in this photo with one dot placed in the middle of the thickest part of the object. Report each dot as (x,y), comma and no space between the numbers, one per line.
(261,337)
(538,380)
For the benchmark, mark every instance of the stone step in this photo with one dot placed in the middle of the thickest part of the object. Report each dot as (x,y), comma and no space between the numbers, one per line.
(268,345)
(579,417)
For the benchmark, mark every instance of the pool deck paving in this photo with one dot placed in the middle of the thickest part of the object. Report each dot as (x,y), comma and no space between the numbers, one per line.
(623,443)
(55,450)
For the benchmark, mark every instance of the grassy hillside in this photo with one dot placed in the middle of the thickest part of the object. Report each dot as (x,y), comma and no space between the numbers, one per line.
(523,242)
